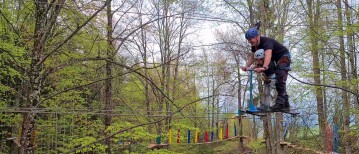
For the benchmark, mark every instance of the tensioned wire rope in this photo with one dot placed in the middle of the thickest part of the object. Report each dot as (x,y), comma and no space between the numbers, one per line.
(138,115)
(36,1)
(223,140)
(230,118)
(323,85)
(60,110)
(206,18)
(301,116)
(226,20)
(217,19)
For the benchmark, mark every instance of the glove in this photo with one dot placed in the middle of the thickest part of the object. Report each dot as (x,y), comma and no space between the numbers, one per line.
(244,68)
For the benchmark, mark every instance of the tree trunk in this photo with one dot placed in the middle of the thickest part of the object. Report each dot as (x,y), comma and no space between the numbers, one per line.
(214,97)
(167,60)
(352,60)
(209,99)
(108,81)
(314,19)
(264,7)
(267,127)
(346,104)
(27,131)
(162,44)
(29,120)
(251,12)
(144,58)
(239,92)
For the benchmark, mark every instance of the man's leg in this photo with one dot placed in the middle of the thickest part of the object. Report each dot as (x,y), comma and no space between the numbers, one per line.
(281,73)
(286,104)
(280,86)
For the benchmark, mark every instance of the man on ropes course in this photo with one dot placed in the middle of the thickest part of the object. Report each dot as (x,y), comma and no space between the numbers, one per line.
(279,55)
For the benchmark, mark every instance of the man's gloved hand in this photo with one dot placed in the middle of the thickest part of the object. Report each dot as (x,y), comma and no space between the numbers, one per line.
(244,68)
(259,70)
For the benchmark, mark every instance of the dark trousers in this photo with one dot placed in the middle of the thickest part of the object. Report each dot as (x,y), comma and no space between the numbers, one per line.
(281,72)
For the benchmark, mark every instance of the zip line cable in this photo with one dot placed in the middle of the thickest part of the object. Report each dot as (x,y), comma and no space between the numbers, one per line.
(86,110)
(309,129)
(104,112)
(329,86)
(111,114)
(214,19)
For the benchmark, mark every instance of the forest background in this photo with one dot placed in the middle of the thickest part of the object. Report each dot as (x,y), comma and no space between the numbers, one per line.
(85,75)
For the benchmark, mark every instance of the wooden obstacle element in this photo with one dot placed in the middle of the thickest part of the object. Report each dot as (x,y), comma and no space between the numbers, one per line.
(286,145)
(157,146)
(228,139)
(244,137)
(238,116)
(217,141)
(15,140)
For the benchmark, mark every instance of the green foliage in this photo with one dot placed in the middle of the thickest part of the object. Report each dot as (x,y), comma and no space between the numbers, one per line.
(10,55)
(162,151)
(97,148)
(4,88)
(188,149)
(136,134)
(256,145)
(13,58)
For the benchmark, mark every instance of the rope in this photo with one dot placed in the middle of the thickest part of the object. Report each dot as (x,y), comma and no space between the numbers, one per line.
(323,85)
(309,129)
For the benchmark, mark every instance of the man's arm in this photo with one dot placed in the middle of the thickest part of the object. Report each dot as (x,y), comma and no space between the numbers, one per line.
(250,60)
(267,58)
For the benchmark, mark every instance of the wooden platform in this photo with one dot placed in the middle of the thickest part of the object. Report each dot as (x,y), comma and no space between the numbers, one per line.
(237,117)
(15,140)
(286,145)
(257,113)
(292,112)
(263,113)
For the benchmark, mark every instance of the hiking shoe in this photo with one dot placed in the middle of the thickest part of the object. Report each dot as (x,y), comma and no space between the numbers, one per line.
(263,107)
(286,103)
(278,107)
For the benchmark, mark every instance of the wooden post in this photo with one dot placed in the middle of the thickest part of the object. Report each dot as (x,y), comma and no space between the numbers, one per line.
(178,136)
(196,137)
(170,137)
(220,134)
(206,136)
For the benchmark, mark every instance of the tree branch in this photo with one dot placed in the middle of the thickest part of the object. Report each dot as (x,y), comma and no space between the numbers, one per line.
(75,31)
(12,26)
